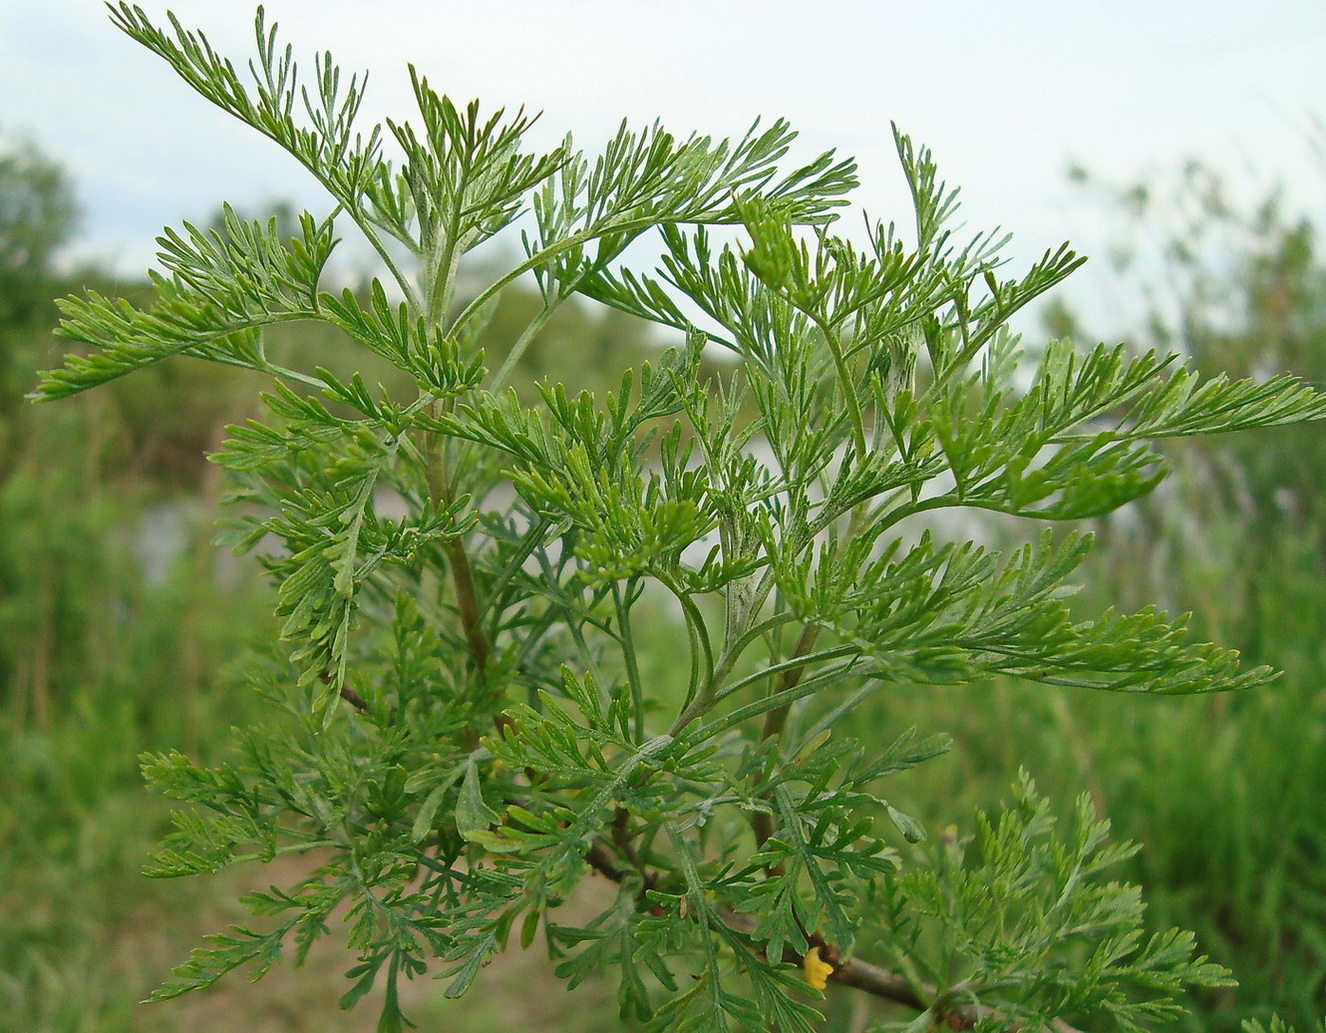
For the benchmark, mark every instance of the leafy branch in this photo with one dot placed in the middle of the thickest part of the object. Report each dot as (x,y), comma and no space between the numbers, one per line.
(622,633)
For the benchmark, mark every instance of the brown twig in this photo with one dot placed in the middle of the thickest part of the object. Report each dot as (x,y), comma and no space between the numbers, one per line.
(353,698)
(348,694)
(467,606)
(860,975)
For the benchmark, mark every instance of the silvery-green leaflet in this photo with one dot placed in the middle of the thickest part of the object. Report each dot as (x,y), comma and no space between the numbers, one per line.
(468,722)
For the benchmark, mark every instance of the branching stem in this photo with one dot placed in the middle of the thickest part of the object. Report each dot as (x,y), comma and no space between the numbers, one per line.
(762,822)
(860,975)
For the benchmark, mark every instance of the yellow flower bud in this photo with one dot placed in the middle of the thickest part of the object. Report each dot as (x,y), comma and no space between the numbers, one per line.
(817,971)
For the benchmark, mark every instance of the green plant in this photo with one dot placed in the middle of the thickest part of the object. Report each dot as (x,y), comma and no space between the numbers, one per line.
(464,727)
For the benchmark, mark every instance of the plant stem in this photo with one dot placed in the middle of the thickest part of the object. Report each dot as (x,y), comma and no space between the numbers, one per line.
(522,343)
(762,823)
(845,381)
(700,696)
(439,284)
(776,719)
(628,651)
(860,975)
(467,605)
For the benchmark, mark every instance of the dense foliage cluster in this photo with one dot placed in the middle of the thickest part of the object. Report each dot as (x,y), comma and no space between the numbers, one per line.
(464,725)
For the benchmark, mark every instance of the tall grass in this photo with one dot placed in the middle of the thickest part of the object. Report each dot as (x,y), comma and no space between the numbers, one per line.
(92,656)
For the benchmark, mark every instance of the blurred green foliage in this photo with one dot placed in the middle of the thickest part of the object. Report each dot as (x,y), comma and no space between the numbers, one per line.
(1238,823)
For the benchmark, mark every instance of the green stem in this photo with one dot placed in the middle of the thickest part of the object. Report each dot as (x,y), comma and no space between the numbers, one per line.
(442,285)
(762,706)
(847,383)
(492,289)
(629,226)
(458,560)
(899,513)
(775,720)
(528,544)
(402,281)
(589,660)
(439,284)
(731,655)
(522,343)
(628,650)
(698,698)
(792,663)
(762,822)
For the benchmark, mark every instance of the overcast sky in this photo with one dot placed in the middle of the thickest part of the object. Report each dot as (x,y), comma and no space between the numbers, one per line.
(1008,95)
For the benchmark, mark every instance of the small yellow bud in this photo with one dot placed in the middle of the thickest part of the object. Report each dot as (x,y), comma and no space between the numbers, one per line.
(817,971)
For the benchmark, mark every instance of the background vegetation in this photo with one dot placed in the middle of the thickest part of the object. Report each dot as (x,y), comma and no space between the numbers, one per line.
(119,623)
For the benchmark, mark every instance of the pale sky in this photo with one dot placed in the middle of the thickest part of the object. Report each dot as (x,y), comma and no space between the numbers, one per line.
(1008,95)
